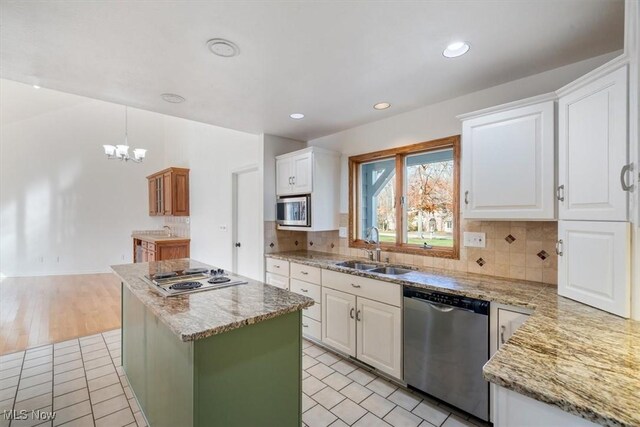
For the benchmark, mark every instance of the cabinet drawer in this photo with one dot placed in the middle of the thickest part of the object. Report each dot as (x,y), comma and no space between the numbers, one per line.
(306,289)
(305,273)
(145,244)
(278,266)
(314,312)
(388,293)
(278,281)
(311,328)
(151,246)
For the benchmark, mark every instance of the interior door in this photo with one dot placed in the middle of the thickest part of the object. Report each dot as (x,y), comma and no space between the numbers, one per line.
(284,177)
(593,150)
(594,264)
(303,174)
(339,322)
(379,333)
(508,164)
(247,230)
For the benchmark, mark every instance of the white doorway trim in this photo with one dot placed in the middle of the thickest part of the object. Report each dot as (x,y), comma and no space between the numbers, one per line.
(234,214)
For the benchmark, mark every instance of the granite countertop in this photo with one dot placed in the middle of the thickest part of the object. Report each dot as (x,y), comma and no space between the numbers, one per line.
(203,314)
(578,358)
(154,238)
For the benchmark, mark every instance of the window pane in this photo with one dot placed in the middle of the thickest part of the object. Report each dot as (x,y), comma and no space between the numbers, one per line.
(377,195)
(429,199)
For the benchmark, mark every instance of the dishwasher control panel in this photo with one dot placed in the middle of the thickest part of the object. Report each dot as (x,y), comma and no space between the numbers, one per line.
(466,303)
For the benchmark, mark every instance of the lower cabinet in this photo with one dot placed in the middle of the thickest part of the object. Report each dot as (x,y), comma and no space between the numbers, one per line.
(508,322)
(277,281)
(368,330)
(594,264)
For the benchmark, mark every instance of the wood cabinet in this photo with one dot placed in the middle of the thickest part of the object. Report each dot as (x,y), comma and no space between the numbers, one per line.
(294,174)
(169,192)
(363,318)
(594,264)
(508,161)
(160,250)
(592,141)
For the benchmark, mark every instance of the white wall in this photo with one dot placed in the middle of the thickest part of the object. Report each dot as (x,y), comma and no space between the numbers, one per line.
(212,153)
(65,208)
(274,146)
(439,120)
(60,196)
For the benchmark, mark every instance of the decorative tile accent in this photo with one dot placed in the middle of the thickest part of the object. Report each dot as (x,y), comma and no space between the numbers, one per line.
(271,245)
(510,239)
(543,254)
(480,262)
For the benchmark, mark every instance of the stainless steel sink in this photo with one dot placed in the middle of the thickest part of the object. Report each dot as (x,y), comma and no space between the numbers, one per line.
(391,271)
(357,265)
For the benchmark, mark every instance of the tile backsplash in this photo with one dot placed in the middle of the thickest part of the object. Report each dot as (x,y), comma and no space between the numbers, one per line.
(180,225)
(523,250)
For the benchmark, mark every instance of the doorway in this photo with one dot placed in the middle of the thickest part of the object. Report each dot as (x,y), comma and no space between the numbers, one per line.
(247,223)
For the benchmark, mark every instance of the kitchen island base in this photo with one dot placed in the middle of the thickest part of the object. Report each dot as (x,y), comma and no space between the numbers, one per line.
(247,376)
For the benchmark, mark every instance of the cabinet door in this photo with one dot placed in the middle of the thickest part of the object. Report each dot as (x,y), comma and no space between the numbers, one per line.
(153,197)
(594,264)
(172,251)
(508,164)
(593,150)
(339,322)
(277,280)
(180,193)
(303,173)
(379,332)
(166,194)
(151,256)
(508,323)
(159,195)
(284,177)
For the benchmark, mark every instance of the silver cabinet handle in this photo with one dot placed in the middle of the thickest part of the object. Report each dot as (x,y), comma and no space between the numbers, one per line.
(560,193)
(466,197)
(290,183)
(294,180)
(351,312)
(502,329)
(559,244)
(304,290)
(358,318)
(305,326)
(623,177)
(356,286)
(304,272)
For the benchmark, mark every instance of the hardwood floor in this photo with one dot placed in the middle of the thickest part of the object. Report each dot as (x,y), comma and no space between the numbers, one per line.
(42,310)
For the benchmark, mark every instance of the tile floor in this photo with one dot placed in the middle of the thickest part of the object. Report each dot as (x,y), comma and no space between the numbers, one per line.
(83,382)
(80,379)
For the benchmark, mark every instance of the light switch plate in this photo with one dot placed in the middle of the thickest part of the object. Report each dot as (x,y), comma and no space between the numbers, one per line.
(342,232)
(475,240)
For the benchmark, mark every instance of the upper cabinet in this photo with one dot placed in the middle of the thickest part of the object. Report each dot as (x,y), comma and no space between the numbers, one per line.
(294,174)
(316,172)
(169,192)
(594,175)
(508,160)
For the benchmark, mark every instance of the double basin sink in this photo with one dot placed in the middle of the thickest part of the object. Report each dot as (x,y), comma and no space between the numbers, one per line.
(374,268)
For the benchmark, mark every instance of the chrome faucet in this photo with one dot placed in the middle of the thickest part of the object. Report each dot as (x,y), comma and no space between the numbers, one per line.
(376,242)
(168,230)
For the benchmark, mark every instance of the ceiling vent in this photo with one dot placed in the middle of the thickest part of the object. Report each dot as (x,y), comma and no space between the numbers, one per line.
(224,48)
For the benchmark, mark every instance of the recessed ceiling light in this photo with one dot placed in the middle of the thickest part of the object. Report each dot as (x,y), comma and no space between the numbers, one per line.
(456,49)
(224,48)
(382,106)
(297,116)
(172,98)
(36,87)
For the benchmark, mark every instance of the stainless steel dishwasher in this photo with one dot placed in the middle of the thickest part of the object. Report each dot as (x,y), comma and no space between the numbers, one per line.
(446,344)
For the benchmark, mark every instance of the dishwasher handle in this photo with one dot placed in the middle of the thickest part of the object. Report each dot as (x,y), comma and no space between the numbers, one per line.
(446,303)
(443,308)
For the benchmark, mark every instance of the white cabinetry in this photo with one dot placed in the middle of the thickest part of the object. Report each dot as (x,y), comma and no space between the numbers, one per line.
(593,192)
(593,149)
(594,264)
(313,171)
(363,318)
(508,322)
(508,155)
(294,174)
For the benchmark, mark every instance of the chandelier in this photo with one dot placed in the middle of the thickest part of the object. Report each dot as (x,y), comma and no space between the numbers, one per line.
(121,152)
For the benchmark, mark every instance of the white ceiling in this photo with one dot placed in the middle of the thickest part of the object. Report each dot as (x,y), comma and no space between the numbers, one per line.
(329,60)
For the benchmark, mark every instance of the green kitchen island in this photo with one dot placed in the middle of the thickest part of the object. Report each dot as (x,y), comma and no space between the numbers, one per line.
(222,357)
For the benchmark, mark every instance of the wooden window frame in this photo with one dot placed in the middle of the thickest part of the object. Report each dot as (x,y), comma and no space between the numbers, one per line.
(400,154)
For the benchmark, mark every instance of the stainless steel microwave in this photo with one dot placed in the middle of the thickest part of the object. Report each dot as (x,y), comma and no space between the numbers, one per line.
(294,211)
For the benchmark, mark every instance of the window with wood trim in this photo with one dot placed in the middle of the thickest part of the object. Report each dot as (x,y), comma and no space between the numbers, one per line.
(411,194)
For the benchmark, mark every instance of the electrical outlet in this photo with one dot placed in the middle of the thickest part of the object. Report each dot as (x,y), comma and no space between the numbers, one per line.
(342,232)
(123,257)
(223,228)
(475,240)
